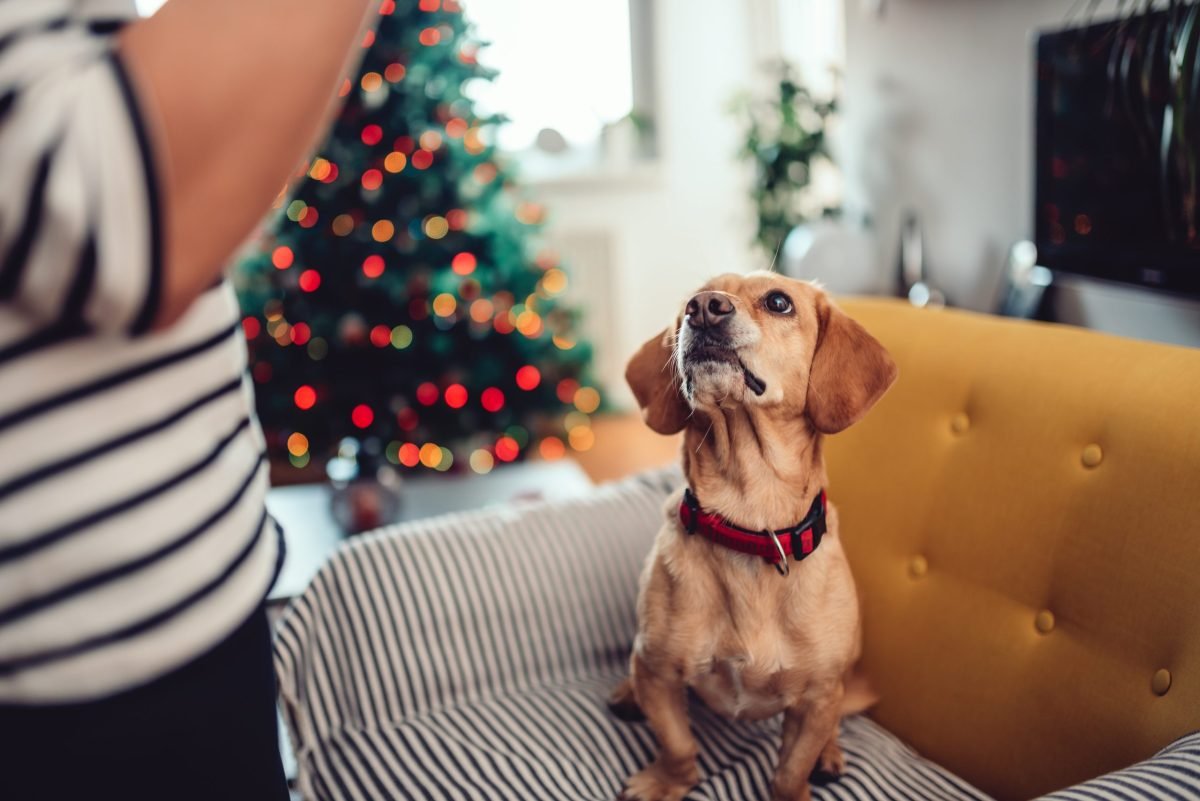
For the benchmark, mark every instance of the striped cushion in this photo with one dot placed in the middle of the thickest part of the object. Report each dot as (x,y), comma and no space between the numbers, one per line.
(468,657)
(1173,774)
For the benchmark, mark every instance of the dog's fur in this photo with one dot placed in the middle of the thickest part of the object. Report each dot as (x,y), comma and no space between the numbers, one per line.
(750,642)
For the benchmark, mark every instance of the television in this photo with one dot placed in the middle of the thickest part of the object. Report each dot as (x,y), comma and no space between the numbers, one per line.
(1118,153)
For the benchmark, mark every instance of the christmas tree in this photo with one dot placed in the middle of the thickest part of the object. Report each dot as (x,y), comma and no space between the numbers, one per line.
(399,297)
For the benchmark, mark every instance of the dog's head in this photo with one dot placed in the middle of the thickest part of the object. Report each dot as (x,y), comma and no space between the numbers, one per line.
(762,341)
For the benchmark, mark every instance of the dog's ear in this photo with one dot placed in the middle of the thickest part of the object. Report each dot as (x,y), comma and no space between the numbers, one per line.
(850,372)
(652,376)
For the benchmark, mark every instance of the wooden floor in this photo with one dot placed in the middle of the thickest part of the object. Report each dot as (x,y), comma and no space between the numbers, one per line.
(624,446)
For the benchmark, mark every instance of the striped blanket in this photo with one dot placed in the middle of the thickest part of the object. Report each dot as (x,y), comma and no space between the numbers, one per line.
(469,656)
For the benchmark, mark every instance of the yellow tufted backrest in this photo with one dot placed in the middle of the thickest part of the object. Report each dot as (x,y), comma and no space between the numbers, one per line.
(1022,512)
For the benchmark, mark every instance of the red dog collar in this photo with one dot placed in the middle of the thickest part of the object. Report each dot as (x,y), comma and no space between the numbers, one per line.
(796,541)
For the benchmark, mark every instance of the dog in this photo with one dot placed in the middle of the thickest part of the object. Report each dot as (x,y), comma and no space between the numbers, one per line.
(757,369)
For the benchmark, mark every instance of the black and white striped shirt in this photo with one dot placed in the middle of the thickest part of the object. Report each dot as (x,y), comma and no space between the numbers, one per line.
(133,531)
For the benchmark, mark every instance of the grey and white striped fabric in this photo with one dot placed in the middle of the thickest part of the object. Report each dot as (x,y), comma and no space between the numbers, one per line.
(469,657)
(1173,774)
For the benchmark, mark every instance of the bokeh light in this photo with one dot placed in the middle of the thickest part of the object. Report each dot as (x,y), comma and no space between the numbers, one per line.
(492,399)
(362,416)
(444,305)
(528,377)
(383,231)
(309,281)
(507,449)
(297,444)
(587,400)
(552,448)
(305,397)
(282,257)
(372,266)
(482,461)
(401,337)
(455,396)
(427,393)
(463,263)
(372,134)
(381,336)
(395,161)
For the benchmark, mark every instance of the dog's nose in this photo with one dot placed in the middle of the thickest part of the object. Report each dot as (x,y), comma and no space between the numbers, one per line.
(708,310)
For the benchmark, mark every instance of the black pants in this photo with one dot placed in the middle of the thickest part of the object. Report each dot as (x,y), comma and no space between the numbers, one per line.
(205,731)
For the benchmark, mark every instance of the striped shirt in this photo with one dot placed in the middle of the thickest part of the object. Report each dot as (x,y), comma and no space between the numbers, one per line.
(133,530)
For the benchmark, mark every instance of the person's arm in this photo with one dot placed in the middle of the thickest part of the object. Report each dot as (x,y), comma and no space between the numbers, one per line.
(236,92)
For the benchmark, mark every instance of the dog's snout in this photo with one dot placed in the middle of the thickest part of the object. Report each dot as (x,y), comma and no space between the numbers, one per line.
(708,309)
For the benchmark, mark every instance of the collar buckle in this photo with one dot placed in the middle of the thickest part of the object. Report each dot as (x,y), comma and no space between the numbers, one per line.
(782,565)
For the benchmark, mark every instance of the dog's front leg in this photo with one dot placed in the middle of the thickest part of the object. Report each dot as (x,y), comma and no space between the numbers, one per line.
(673,772)
(807,730)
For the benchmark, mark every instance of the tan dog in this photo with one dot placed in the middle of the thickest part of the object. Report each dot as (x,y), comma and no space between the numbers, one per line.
(757,368)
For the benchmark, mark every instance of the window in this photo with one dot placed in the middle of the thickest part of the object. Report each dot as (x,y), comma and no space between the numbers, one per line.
(574,81)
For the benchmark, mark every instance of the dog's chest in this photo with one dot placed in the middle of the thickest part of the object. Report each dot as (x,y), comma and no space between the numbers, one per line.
(751,672)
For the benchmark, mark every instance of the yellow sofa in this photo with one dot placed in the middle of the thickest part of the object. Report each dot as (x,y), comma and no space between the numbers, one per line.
(1022,512)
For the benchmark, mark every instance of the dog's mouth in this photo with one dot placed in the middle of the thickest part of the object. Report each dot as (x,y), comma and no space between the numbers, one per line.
(717,352)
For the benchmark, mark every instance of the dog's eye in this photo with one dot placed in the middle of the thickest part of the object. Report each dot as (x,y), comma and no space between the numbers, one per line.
(778,303)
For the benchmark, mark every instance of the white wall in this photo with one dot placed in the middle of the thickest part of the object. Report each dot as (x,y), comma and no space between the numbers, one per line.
(687,218)
(938,117)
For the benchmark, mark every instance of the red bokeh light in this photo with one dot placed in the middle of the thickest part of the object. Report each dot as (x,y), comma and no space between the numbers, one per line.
(528,377)
(362,416)
(430,37)
(372,266)
(309,218)
(381,336)
(309,281)
(457,219)
(463,263)
(430,5)
(422,159)
(492,399)
(566,390)
(251,327)
(262,372)
(410,455)
(387,7)
(301,333)
(456,396)
(372,179)
(507,449)
(427,393)
(282,257)
(404,144)
(372,134)
(305,397)
(406,418)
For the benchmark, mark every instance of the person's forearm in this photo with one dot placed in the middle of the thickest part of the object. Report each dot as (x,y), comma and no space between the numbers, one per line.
(238,89)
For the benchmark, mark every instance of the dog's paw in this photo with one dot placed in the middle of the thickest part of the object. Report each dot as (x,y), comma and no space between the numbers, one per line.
(830,765)
(653,784)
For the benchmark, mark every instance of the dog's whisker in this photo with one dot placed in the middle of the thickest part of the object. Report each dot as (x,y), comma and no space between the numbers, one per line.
(775,258)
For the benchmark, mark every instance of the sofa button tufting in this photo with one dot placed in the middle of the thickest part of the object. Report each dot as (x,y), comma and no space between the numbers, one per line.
(917,566)
(1161,681)
(1092,455)
(1044,621)
(960,423)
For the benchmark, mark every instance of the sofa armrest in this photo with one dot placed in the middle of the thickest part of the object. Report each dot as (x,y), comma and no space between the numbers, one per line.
(1173,773)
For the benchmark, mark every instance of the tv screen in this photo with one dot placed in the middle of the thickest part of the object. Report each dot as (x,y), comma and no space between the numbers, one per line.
(1118,146)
